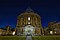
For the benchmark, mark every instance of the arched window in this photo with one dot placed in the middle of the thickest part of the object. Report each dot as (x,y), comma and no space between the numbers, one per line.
(29,18)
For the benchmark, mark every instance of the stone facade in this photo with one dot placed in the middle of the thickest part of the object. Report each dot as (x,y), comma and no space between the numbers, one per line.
(29,18)
(6,31)
(54,28)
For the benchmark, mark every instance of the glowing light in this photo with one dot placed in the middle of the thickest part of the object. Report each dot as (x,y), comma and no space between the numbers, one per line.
(13,33)
(51,32)
(28,22)
(28,18)
(55,32)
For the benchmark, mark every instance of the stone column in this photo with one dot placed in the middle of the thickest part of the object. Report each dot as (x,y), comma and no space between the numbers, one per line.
(42,31)
(31,20)
(36,21)
(21,21)
(26,20)
(39,31)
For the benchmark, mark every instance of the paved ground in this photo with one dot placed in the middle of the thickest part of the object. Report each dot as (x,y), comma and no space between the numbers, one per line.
(28,38)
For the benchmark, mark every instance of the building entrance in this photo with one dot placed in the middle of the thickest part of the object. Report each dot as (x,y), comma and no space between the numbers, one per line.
(29,30)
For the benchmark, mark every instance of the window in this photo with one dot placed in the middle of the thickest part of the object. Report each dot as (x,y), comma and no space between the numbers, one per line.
(55,32)
(29,18)
(28,22)
(51,32)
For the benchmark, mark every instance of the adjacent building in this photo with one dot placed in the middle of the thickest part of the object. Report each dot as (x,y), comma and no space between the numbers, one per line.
(54,27)
(7,31)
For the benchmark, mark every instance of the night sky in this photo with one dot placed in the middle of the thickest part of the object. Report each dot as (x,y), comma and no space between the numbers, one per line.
(10,9)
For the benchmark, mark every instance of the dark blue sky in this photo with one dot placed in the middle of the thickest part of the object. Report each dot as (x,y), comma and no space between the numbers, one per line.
(10,9)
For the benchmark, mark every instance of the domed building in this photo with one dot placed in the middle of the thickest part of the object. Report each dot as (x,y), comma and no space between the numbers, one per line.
(29,22)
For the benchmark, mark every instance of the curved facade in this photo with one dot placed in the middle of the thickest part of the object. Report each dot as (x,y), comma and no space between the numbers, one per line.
(29,19)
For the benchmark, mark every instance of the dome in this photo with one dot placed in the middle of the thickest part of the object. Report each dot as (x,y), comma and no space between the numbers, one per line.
(29,12)
(29,17)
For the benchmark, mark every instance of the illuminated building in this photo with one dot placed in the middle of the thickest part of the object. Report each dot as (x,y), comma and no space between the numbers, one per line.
(29,22)
(54,27)
(7,31)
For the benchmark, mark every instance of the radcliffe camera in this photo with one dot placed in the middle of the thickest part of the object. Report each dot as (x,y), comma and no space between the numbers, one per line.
(29,20)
